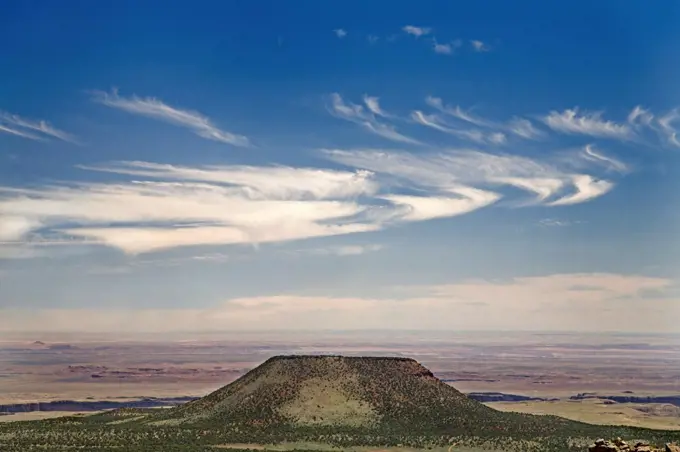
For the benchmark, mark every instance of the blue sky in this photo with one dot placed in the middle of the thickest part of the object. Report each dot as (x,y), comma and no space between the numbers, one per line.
(226,165)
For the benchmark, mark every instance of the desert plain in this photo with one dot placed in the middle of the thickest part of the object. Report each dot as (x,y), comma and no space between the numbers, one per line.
(567,374)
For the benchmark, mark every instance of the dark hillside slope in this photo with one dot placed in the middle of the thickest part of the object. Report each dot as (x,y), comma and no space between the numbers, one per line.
(341,393)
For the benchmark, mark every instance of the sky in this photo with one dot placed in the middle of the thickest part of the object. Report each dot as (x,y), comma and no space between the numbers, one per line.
(225,166)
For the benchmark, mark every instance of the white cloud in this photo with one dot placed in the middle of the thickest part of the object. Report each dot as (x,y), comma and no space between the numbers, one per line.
(576,302)
(542,187)
(497,138)
(354,250)
(258,182)
(452,169)
(389,132)
(340,32)
(223,205)
(587,188)
(141,239)
(417,31)
(19,133)
(666,123)
(372,39)
(524,128)
(432,121)
(366,118)
(437,122)
(517,126)
(598,157)
(343,250)
(373,104)
(592,124)
(241,205)
(457,112)
(156,109)
(178,206)
(170,205)
(31,129)
(465,200)
(639,115)
(479,46)
(444,49)
(447,48)
(15,228)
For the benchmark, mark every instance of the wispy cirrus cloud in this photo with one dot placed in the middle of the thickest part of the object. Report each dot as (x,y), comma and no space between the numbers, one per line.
(438,123)
(492,132)
(524,128)
(373,104)
(452,170)
(458,200)
(417,31)
(668,129)
(366,117)
(457,112)
(168,206)
(194,206)
(154,108)
(556,181)
(257,182)
(594,155)
(639,123)
(340,32)
(559,180)
(640,116)
(586,187)
(32,129)
(19,133)
(570,121)
(163,206)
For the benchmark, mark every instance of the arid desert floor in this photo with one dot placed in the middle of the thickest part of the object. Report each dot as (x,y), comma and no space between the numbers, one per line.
(550,368)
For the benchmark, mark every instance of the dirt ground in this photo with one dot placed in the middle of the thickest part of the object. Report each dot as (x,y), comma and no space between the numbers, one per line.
(595,411)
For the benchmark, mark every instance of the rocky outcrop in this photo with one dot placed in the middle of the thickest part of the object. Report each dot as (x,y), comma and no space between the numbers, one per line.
(607,446)
(619,445)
